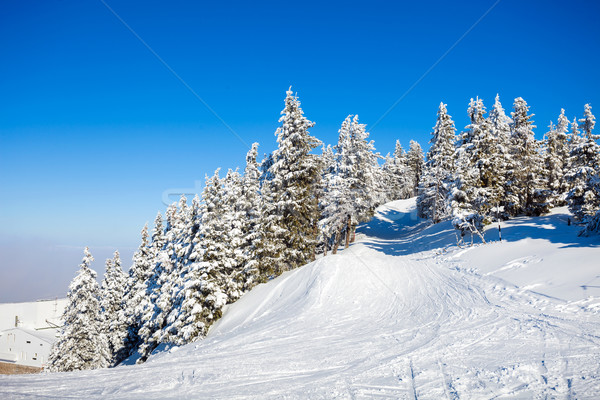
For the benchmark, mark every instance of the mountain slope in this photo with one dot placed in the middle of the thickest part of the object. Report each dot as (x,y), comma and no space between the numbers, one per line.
(402,313)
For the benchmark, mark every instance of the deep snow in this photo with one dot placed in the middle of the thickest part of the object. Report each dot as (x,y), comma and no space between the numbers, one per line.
(402,313)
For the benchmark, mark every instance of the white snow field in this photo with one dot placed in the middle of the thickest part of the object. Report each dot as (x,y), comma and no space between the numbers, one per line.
(402,314)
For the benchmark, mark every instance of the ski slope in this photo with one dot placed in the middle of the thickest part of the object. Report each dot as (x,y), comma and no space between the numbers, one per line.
(403,313)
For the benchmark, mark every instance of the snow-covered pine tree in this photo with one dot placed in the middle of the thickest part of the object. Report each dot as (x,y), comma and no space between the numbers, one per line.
(290,206)
(502,161)
(476,186)
(416,164)
(112,304)
(328,168)
(250,208)
(592,227)
(397,177)
(588,122)
(136,291)
(584,198)
(438,178)
(338,206)
(149,324)
(387,178)
(365,189)
(205,292)
(525,192)
(172,259)
(234,215)
(81,342)
(556,156)
(468,184)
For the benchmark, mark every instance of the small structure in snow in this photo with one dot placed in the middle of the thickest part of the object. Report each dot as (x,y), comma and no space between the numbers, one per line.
(29,347)
(27,333)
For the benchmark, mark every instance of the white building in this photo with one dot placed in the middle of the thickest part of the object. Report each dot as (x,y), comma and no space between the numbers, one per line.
(28,330)
(28,347)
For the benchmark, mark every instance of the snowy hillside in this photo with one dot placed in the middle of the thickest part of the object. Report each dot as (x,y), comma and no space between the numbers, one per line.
(402,313)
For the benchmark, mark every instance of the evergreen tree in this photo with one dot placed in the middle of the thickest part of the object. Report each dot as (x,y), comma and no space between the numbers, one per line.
(290,207)
(398,181)
(502,160)
(205,291)
(469,194)
(234,215)
(584,198)
(81,343)
(182,225)
(588,121)
(328,168)
(365,190)
(437,180)
(416,164)
(525,192)
(149,308)
(136,292)
(339,209)
(556,159)
(112,304)
(250,209)
(480,165)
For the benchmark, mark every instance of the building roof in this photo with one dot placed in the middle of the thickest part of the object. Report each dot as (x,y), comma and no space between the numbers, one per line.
(46,335)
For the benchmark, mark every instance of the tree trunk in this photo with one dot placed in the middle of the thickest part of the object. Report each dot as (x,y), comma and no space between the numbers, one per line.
(348,232)
(336,241)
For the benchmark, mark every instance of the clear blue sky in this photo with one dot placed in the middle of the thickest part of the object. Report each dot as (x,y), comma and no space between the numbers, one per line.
(94,128)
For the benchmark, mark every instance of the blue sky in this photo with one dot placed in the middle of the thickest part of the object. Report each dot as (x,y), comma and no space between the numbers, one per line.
(94,128)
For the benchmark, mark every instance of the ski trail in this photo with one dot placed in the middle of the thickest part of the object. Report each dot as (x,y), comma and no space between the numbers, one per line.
(413,387)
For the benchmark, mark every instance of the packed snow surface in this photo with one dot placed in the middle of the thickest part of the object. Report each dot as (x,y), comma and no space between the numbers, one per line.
(403,313)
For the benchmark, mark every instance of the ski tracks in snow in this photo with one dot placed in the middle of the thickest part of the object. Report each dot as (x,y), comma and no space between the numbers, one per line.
(369,322)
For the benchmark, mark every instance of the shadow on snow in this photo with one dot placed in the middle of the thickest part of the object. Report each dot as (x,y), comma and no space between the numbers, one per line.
(401,233)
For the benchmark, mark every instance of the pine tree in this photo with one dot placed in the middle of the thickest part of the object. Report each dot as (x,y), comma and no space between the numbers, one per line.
(588,121)
(481,161)
(556,159)
(81,343)
(338,209)
(328,168)
(149,324)
(435,186)
(502,161)
(584,198)
(136,291)
(468,183)
(525,192)
(364,186)
(290,206)
(398,180)
(416,164)
(205,286)
(234,215)
(173,260)
(112,304)
(250,209)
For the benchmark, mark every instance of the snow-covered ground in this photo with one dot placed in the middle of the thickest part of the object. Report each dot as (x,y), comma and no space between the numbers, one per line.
(402,313)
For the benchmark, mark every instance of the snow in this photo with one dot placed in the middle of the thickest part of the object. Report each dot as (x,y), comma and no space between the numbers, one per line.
(402,313)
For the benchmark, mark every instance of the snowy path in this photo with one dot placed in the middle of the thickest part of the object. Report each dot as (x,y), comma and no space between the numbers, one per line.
(393,316)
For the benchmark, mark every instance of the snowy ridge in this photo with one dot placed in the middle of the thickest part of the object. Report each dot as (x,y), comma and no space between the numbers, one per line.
(401,314)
